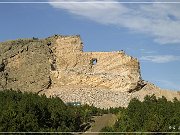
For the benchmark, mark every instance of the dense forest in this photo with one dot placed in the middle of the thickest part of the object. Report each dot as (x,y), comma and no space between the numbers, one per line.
(29,112)
(151,115)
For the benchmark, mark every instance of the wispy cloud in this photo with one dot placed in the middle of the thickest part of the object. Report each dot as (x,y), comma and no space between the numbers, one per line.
(160,21)
(150,52)
(168,84)
(160,58)
(145,51)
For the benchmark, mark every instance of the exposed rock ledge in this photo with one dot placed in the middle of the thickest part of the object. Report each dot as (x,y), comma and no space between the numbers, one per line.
(57,66)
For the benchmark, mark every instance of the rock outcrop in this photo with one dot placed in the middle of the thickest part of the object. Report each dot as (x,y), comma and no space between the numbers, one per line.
(102,70)
(57,66)
(25,65)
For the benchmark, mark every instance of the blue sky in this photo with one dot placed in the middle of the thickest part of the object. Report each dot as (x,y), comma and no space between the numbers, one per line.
(150,32)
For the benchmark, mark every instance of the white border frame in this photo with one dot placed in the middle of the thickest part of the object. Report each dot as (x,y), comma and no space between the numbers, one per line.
(85,2)
(89,2)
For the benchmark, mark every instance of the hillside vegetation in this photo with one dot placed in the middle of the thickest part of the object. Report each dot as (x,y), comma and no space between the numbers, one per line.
(151,115)
(27,112)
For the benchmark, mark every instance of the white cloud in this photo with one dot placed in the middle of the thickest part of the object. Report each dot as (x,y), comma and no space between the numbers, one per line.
(105,13)
(160,21)
(160,58)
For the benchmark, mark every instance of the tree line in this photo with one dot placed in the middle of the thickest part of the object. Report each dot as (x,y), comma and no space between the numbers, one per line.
(30,112)
(151,115)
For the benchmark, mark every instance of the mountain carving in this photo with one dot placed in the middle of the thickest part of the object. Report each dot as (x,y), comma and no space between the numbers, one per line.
(57,66)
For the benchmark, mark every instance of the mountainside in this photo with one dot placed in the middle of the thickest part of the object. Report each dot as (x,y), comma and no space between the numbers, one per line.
(57,66)
(24,65)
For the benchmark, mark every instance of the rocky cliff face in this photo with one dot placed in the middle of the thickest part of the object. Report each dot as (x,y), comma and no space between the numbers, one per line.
(102,70)
(25,65)
(58,66)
